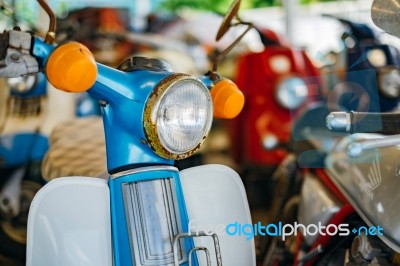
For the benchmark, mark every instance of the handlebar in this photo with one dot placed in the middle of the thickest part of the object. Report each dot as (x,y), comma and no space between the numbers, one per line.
(361,122)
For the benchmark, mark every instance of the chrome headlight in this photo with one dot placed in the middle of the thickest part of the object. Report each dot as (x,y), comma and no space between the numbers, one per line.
(178,116)
(389,82)
(292,92)
(21,84)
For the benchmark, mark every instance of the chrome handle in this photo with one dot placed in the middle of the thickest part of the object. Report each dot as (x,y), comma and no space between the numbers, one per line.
(357,148)
(199,249)
(339,121)
(196,234)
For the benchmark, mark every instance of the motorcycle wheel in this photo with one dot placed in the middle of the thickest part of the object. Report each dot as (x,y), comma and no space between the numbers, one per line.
(13,230)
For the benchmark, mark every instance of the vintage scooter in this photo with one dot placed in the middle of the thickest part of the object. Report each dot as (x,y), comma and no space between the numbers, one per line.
(147,212)
(279,86)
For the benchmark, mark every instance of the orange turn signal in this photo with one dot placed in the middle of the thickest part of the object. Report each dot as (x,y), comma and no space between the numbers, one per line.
(71,67)
(228,100)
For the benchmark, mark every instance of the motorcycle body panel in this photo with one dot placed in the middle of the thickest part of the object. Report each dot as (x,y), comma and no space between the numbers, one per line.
(214,196)
(70,218)
(263,115)
(370,183)
(128,98)
(69,224)
(19,149)
(317,205)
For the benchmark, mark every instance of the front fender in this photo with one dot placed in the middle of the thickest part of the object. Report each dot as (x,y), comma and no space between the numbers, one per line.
(69,224)
(214,198)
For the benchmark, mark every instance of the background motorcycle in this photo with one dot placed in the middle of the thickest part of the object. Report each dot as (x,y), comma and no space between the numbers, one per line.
(271,80)
(357,92)
(28,112)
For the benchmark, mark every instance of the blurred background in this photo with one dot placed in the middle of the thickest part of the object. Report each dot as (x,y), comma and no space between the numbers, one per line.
(300,39)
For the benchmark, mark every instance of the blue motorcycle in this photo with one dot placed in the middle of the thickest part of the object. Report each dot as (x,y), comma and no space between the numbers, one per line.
(147,212)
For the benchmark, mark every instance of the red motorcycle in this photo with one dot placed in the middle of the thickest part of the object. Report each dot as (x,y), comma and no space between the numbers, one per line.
(276,82)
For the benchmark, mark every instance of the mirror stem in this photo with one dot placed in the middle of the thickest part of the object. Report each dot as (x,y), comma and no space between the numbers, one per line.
(222,55)
(51,33)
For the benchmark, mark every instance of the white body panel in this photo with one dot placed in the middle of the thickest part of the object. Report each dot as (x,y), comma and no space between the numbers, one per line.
(69,224)
(214,196)
(69,219)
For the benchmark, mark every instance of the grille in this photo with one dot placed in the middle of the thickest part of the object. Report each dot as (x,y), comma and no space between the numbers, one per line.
(153,220)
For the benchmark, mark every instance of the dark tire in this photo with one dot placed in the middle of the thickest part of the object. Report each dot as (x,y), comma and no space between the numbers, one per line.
(13,230)
(278,252)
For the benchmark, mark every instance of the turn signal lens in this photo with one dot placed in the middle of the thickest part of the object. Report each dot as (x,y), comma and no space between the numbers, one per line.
(71,67)
(228,100)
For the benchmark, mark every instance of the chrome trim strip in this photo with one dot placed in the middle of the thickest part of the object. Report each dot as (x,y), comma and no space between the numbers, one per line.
(152,224)
(144,169)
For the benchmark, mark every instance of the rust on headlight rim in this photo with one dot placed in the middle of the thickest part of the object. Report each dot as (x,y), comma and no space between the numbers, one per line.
(150,124)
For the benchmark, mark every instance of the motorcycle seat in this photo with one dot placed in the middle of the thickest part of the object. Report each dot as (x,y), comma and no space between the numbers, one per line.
(76,148)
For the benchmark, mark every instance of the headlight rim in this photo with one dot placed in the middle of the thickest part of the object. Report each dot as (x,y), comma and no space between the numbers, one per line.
(380,73)
(150,124)
(277,86)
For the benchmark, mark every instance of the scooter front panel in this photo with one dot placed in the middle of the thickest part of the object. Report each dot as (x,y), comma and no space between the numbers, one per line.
(215,198)
(69,224)
(148,212)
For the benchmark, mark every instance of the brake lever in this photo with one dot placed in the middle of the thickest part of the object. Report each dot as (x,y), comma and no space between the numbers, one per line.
(355,149)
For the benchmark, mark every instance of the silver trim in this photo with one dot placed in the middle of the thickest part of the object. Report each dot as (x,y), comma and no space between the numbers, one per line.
(192,235)
(317,205)
(357,148)
(195,249)
(338,121)
(144,169)
(153,219)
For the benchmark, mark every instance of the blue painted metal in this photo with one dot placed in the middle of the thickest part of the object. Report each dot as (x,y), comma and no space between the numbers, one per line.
(126,93)
(39,89)
(87,106)
(207,81)
(41,50)
(122,252)
(19,149)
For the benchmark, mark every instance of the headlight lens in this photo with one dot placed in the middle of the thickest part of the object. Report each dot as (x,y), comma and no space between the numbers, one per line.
(178,116)
(389,82)
(292,92)
(21,84)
